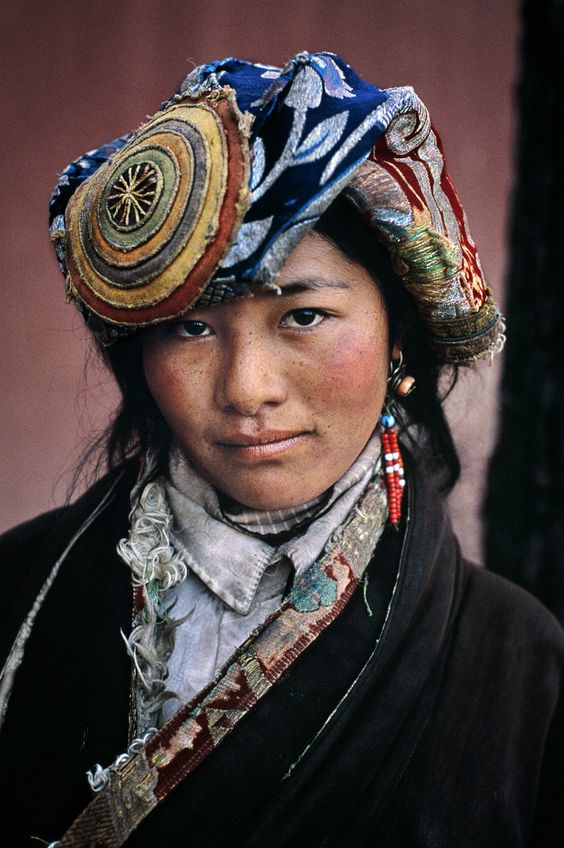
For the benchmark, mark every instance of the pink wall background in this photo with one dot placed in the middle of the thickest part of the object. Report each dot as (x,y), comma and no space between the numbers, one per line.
(76,74)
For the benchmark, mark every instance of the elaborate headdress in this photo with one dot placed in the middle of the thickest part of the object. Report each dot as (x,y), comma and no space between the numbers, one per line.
(207,199)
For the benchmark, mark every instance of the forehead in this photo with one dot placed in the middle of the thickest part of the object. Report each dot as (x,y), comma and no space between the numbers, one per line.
(317,263)
(316,266)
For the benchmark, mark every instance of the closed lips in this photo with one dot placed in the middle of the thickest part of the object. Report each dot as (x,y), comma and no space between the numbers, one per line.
(265,438)
(261,447)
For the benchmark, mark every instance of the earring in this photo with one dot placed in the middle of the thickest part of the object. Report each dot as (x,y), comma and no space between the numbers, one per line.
(393,466)
(401,385)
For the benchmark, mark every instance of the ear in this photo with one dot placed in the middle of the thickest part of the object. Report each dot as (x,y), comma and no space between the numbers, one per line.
(396,350)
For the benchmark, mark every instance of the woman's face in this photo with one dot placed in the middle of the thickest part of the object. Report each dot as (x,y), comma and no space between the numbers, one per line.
(270,397)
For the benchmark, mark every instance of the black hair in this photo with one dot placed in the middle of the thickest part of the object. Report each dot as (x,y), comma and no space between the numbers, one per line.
(139,424)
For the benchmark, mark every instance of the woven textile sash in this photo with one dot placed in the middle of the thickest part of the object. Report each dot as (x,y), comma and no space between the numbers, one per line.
(316,599)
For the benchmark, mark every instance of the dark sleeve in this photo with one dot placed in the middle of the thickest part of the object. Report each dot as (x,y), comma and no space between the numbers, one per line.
(526,646)
(489,769)
(29,551)
(26,555)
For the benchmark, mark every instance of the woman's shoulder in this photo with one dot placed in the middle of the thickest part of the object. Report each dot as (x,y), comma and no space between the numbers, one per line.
(29,550)
(511,619)
(30,532)
(61,521)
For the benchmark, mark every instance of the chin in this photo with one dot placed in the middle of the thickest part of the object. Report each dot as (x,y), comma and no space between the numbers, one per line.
(272,496)
(268,501)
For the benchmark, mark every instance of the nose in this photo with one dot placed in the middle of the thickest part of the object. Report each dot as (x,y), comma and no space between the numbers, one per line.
(251,375)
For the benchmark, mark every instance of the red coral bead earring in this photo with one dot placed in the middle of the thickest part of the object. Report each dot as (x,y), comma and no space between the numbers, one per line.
(393,467)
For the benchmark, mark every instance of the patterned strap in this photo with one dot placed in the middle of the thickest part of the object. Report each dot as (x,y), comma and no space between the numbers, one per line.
(316,600)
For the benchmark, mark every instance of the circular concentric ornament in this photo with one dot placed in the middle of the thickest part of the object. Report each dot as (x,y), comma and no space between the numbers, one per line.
(130,200)
(147,231)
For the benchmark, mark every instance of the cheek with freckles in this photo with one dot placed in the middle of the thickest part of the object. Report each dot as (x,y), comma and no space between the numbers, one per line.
(178,386)
(349,381)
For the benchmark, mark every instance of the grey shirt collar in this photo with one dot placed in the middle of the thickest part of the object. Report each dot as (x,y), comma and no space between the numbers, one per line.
(231,562)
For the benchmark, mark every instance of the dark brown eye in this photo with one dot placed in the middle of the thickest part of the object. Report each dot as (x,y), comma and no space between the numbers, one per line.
(193,329)
(303,318)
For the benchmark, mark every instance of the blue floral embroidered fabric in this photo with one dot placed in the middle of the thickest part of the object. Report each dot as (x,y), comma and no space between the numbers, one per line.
(315,121)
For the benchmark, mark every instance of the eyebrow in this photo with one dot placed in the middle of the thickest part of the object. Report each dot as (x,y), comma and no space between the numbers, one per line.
(312,284)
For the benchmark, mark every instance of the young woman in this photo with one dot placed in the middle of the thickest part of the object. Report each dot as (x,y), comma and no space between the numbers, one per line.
(252,632)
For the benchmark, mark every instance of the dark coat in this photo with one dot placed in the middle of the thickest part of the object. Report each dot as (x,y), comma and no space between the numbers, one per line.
(436,724)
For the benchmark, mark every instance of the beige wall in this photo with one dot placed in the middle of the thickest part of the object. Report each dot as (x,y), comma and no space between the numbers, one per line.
(76,74)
